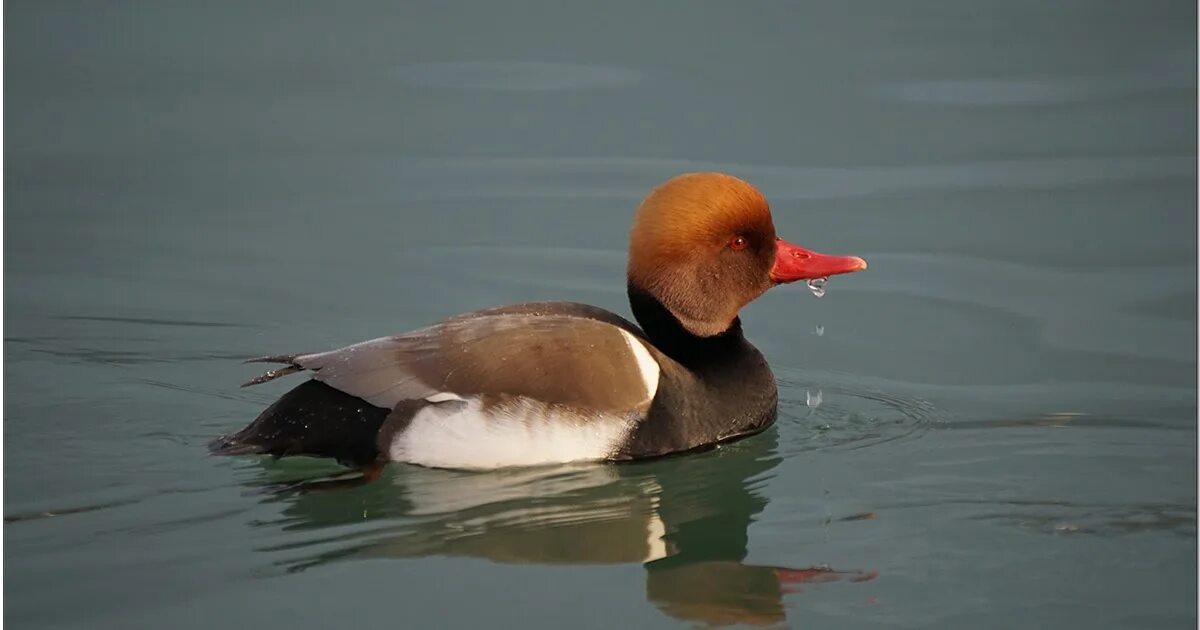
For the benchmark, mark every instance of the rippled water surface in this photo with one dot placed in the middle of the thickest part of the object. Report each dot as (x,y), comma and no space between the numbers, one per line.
(994,426)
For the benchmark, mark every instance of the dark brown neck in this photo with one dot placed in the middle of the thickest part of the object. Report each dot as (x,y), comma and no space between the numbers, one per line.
(669,335)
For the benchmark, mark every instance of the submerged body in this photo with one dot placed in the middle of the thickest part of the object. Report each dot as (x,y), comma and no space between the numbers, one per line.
(553,382)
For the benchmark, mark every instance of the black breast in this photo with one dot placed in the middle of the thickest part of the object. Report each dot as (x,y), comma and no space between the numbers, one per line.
(716,389)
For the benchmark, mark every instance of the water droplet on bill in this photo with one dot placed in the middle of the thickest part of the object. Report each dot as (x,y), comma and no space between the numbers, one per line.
(817,286)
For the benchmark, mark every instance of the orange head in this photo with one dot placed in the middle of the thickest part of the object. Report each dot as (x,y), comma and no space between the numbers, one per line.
(704,245)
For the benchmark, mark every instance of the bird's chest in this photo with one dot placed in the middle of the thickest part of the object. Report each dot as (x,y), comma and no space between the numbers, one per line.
(707,404)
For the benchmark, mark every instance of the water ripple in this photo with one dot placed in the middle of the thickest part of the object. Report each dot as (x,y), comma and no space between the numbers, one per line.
(148,321)
(819,415)
(514,75)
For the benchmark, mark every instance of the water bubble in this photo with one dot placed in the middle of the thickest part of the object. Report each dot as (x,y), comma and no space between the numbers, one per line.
(817,285)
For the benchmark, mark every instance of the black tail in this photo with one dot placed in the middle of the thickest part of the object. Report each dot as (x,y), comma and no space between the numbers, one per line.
(312,419)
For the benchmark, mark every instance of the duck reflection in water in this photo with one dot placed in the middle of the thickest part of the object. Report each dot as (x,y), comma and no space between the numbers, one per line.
(684,518)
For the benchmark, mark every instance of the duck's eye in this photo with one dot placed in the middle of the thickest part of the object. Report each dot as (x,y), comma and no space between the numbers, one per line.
(737,242)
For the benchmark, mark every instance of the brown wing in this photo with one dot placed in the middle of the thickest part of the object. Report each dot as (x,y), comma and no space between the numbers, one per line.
(555,353)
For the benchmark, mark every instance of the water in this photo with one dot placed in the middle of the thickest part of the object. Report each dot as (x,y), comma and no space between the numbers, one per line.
(993,426)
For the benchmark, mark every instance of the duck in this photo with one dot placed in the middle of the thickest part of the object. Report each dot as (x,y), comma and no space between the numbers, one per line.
(544,383)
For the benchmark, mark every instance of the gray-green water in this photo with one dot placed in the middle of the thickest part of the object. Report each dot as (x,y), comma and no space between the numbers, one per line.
(994,426)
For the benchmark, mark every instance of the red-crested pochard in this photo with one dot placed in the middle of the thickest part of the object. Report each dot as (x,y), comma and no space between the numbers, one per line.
(552,382)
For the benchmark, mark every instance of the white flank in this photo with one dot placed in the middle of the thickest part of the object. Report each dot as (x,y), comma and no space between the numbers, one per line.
(442,397)
(646,364)
(524,433)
